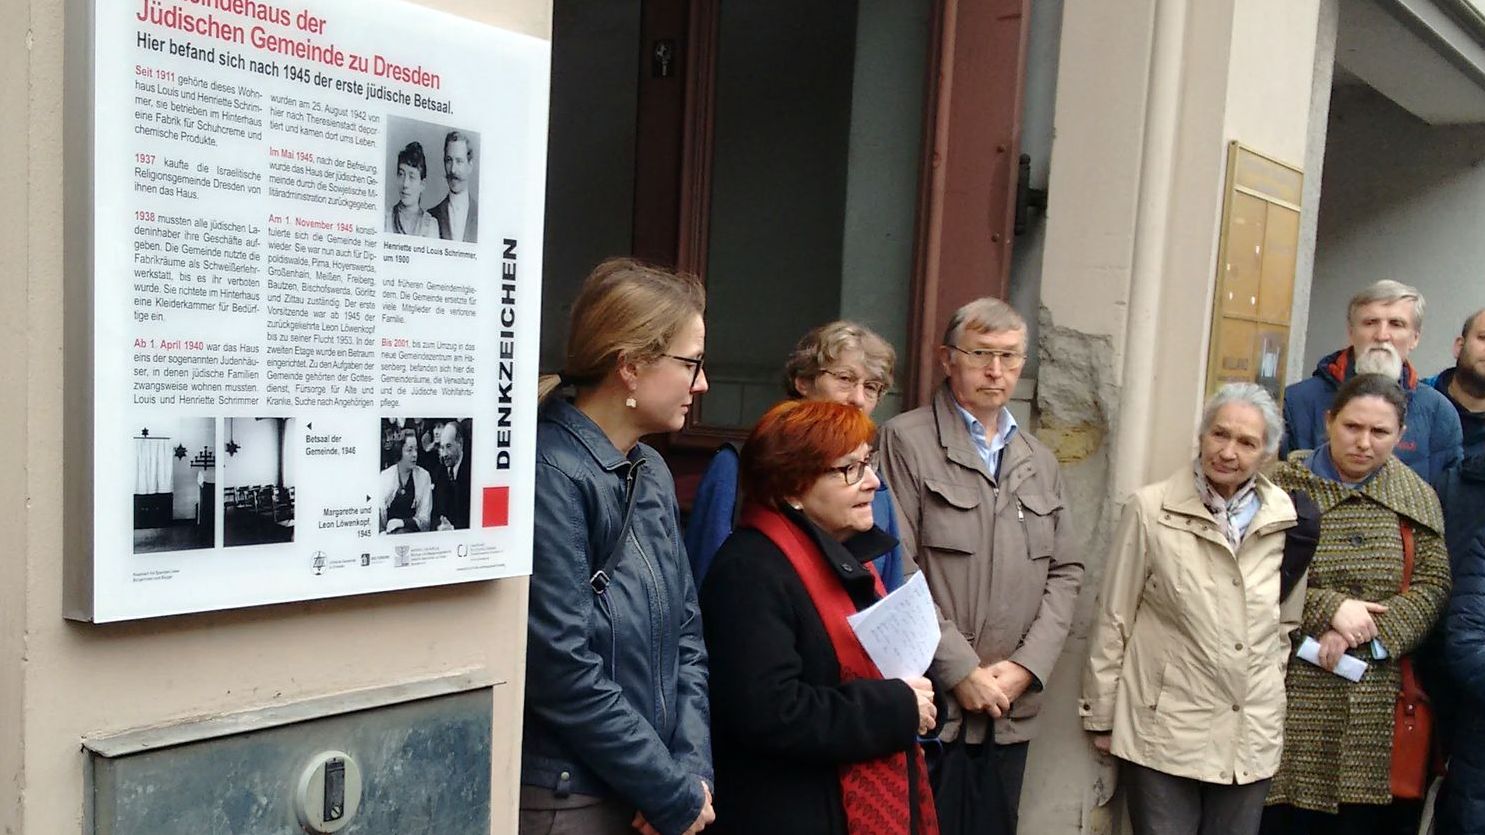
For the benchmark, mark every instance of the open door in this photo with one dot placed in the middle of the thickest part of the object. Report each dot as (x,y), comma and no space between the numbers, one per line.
(808,161)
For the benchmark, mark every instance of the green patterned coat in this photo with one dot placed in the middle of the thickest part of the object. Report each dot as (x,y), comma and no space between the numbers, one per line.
(1338,735)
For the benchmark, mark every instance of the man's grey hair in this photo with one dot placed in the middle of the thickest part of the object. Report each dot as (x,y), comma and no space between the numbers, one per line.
(1387,290)
(984,315)
(1469,324)
(1254,395)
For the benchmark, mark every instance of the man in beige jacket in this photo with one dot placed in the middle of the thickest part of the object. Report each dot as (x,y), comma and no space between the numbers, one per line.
(983,514)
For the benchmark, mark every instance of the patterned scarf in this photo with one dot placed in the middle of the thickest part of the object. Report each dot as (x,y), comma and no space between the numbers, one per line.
(876,793)
(1233,515)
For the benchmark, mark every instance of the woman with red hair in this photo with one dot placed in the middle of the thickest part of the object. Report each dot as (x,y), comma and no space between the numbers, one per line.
(807,736)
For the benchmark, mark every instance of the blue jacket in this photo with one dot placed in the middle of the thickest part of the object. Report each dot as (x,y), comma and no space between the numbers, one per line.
(1472,423)
(710,522)
(616,693)
(1464,653)
(1430,443)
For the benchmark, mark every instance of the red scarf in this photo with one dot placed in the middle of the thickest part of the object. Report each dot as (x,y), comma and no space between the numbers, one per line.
(874,792)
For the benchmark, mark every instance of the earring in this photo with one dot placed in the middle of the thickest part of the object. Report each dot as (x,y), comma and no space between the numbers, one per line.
(631,402)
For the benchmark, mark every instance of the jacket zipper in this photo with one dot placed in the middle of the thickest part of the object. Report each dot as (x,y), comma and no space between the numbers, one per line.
(655,579)
(629,496)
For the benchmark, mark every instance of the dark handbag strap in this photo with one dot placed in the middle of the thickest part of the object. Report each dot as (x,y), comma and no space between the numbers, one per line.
(600,579)
(1299,543)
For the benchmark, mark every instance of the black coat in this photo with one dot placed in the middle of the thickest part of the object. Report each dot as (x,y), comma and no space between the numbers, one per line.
(1462,495)
(1464,655)
(782,720)
(451,496)
(1461,492)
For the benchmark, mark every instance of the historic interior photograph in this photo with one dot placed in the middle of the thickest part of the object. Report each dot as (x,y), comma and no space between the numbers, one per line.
(175,474)
(258,480)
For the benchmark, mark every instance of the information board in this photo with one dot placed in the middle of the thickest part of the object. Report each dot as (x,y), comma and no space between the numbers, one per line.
(315,305)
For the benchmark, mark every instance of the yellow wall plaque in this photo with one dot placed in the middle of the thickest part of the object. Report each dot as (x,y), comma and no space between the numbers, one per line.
(1255,271)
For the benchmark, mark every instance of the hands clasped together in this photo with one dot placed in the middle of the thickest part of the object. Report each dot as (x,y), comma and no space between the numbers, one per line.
(992,689)
(1350,627)
(706,816)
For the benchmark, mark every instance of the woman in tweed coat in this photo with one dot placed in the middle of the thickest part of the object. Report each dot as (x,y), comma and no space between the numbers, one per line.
(1334,771)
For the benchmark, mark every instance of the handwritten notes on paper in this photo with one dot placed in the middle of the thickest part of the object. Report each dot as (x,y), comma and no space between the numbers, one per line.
(900,631)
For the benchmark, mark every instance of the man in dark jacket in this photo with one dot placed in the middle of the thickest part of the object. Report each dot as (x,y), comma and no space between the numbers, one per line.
(1452,673)
(458,214)
(1383,323)
(451,480)
(1464,384)
(1462,494)
(1464,653)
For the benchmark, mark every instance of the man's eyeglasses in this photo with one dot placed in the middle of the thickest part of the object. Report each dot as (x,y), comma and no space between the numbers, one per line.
(695,362)
(982,357)
(874,388)
(852,472)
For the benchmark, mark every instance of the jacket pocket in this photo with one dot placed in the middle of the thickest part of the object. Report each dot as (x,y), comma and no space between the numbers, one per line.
(950,519)
(1039,515)
(1153,722)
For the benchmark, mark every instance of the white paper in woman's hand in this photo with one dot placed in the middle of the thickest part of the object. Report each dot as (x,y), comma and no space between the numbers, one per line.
(900,632)
(1349,667)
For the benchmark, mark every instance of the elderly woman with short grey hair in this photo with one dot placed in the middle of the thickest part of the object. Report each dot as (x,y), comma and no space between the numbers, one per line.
(1185,679)
(838,362)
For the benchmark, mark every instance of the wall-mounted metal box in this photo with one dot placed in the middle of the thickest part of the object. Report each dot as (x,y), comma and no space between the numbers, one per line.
(421,753)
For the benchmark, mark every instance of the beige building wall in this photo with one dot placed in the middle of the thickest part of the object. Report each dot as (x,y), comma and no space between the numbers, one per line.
(62,681)
(1149,93)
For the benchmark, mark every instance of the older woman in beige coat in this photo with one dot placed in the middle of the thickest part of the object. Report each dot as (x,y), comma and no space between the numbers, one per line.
(1185,679)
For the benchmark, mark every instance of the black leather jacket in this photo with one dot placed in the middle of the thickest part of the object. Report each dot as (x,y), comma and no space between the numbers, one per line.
(616,699)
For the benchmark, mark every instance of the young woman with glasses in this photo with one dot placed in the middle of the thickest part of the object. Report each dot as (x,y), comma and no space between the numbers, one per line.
(617,735)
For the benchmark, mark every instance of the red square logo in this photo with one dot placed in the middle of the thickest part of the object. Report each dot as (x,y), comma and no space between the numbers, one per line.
(497,507)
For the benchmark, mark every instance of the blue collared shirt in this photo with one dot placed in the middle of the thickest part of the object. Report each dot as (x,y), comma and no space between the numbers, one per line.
(990,446)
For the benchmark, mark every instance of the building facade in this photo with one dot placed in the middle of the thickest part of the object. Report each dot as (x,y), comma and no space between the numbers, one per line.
(809,161)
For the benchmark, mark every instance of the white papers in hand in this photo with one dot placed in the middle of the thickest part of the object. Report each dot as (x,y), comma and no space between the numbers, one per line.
(900,632)
(1349,667)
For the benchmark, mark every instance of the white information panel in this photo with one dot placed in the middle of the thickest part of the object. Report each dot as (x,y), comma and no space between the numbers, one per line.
(316,279)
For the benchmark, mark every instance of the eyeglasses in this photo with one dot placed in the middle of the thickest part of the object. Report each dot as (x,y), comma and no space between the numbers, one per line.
(695,362)
(852,472)
(874,388)
(982,357)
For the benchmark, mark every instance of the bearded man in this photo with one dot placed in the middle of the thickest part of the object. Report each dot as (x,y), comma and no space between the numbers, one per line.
(1383,323)
(1464,384)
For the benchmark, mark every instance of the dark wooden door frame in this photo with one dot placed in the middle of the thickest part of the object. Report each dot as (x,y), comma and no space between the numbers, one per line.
(967,207)
(696,162)
(661,125)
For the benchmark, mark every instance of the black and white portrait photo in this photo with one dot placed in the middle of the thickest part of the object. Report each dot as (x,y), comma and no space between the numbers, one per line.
(175,474)
(258,480)
(425,479)
(432,181)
